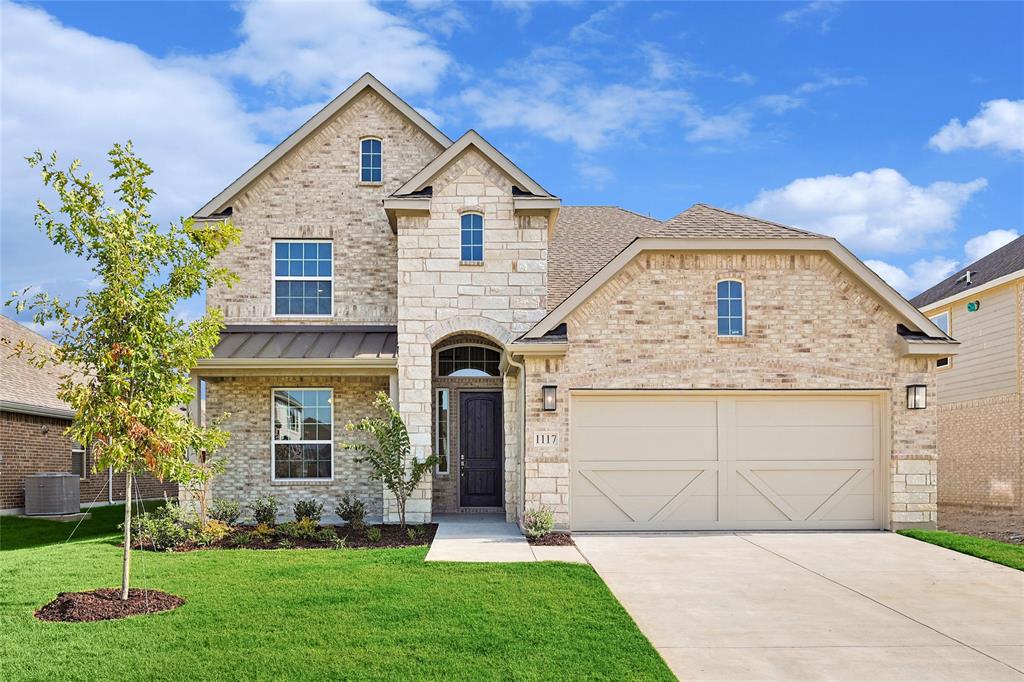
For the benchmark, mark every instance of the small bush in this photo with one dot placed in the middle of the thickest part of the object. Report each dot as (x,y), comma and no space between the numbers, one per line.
(538,522)
(286,544)
(352,511)
(338,543)
(305,529)
(373,534)
(243,539)
(264,510)
(411,533)
(226,511)
(308,509)
(264,531)
(213,531)
(160,530)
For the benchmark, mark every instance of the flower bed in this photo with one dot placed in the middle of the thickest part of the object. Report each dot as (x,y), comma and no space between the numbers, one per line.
(287,536)
(552,540)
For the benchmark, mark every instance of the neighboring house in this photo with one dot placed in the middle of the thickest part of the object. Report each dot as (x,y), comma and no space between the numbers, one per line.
(32,425)
(713,371)
(981,413)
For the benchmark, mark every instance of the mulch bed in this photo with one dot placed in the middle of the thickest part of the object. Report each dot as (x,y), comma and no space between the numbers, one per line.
(552,540)
(106,604)
(391,536)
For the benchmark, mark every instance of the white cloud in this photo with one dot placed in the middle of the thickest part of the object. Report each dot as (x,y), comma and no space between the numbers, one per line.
(320,48)
(589,30)
(999,124)
(594,176)
(523,9)
(877,211)
(923,274)
(819,13)
(723,127)
(984,244)
(826,82)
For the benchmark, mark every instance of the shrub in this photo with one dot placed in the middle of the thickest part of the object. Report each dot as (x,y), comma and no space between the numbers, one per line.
(305,529)
(538,522)
(226,511)
(352,511)
(160,529)
(213,531)
(286,544)
(243,539)
(308,509)
(338,543)
(373,534)
(263,531)
(264,510)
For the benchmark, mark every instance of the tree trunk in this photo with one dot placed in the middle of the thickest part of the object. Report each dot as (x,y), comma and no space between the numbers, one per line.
(401,512)
(127,561)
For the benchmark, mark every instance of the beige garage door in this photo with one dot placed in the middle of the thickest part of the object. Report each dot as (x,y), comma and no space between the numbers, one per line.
(656,461)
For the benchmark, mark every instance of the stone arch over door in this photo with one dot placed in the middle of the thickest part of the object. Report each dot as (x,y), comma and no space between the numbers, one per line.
(469,324)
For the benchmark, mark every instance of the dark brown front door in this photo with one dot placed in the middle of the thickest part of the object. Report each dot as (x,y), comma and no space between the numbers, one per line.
(480,448)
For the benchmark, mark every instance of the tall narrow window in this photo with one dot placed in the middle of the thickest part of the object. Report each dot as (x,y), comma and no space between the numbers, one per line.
(443,447)
(79,461)
(303,273)
(942,322)
(370,160)
(472,237)
(303,447)
(730,308)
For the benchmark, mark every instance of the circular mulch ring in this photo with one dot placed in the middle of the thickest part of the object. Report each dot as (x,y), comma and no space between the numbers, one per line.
(106,604)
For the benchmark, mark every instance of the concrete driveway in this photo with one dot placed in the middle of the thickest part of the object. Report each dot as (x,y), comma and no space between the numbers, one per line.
(844,605)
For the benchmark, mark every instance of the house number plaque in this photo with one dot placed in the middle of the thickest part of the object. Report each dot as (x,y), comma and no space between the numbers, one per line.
(545,439)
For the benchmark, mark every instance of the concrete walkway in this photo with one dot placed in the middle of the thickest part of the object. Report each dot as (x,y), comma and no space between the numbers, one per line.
(816,606)
(487,537)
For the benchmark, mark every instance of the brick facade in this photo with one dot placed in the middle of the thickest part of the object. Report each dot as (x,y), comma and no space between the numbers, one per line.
(810,326)
(31,444)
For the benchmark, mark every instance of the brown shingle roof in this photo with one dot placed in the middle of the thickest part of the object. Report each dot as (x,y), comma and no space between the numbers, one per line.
(584,240)
(21,382)
(707,222)
(1002,261)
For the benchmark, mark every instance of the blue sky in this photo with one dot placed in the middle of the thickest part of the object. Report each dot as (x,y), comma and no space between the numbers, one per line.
(898,127)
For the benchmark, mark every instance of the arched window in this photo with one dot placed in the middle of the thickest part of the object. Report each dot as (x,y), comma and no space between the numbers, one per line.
(468,361)
(370,160)
(730,308)
(472,237)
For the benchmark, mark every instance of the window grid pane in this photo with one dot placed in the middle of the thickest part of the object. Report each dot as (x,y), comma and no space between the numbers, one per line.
(730,308)
(303,433)
(472,237)
(370,161)
(303,273)
(461,358)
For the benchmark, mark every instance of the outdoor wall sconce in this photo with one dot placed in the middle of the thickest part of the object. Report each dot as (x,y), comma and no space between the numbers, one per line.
(550,398)
(917,397)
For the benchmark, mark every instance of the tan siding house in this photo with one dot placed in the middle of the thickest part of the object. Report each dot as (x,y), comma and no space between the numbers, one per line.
(714,371)
(981,413)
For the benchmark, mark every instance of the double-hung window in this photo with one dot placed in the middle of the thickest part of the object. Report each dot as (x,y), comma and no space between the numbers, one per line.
(303,446)
(370,157)
(472,237)
(79,460)
(303,277)
(730,308)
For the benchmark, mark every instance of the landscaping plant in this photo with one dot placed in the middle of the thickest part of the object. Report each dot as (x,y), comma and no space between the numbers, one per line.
(352,511)
(123,354)
(308,509)
(227,511)
(390,456)
(538,522)
(264,510)
(373,534)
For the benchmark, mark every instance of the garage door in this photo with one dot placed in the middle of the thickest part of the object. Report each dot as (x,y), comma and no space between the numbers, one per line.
(657,461)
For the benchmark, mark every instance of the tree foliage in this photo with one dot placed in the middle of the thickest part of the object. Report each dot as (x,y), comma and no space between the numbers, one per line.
(389,455)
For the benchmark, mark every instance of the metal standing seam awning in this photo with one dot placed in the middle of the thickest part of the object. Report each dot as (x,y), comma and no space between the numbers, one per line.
(352,349)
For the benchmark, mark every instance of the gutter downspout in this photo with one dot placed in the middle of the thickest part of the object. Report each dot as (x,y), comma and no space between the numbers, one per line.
(521,503)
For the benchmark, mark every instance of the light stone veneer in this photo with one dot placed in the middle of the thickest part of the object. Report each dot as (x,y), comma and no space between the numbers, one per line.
(439,296)
(247,401)
(809,326)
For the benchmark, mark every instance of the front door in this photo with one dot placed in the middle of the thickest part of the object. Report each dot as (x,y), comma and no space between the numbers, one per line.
(480,448)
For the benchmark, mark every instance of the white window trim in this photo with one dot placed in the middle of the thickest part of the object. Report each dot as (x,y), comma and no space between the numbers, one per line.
(437,361)
(949,330)
(78,450)
(483,240)
(274,278)
(437,433)
(371,182)
(743,308)
(273,443)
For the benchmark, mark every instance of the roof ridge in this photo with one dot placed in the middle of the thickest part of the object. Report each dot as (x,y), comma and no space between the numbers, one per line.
(617,208)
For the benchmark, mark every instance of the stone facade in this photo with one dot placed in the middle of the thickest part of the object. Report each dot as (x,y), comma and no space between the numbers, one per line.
(247,402)
(809,326)
(32,444)
(314,192)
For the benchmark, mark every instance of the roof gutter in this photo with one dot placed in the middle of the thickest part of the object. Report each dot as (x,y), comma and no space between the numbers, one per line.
(928,349)
(265,366)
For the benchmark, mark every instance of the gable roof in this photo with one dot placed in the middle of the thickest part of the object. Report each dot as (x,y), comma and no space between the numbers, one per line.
(470,139)
(221,201)
(23,386)
(705,228)
(585,238)
(1006,260)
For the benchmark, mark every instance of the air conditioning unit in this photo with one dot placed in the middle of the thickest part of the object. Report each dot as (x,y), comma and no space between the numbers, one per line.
(52,494)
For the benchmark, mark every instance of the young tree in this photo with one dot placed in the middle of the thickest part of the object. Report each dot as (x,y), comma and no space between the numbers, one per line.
(389,457)
(127,357)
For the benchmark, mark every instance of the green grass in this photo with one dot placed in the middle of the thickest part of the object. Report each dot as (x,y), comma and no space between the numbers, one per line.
(992,550)
(320,614)
(19,533)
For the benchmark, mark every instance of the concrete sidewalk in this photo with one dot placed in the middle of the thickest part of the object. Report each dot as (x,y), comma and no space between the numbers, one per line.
(489,538)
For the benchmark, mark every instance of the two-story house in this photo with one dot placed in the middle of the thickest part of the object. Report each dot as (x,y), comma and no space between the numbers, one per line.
(714,371)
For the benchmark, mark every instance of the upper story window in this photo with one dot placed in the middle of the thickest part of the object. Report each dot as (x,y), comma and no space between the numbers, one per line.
(468,361)
(79,459)
(942,322)
(472,237)
(303,276)
(730,308)
(303,446)
(370,160)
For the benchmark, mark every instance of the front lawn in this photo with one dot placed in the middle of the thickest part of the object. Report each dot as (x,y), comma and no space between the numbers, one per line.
(320,614)
(991,550)
(19,533)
